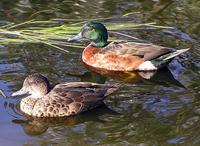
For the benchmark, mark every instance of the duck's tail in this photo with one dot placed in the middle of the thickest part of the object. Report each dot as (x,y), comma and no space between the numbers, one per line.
(162,60)
(174,54)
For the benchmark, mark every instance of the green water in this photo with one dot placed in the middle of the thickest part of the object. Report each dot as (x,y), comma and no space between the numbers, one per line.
(164,110)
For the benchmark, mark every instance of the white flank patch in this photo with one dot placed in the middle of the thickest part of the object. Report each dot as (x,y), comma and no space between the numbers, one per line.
(147,65)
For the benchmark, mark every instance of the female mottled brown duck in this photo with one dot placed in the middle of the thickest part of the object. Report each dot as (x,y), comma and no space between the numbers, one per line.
(121,56)
(65,99)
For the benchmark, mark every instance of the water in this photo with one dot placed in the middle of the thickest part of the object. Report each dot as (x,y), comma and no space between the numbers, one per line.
(164,110)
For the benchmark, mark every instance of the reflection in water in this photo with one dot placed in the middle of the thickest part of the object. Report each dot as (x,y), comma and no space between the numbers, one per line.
(89,77)
(155,109)
(162,76)
(37,126)
(165,77)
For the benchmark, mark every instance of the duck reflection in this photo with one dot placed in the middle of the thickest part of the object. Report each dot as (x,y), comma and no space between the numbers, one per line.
(162,77)
(101,75)
(37,126)
(165,77)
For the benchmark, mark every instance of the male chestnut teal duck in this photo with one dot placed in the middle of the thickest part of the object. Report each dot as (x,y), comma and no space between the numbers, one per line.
(121,56)
(65,99)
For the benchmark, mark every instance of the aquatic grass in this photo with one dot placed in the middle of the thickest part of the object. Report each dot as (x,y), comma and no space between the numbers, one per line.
(42,11)
(55,34)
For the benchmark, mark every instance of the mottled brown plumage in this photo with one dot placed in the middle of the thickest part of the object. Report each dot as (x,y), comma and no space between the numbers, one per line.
(64,99)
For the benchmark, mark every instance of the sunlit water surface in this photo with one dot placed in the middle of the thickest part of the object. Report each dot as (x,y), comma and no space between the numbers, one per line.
(164,110)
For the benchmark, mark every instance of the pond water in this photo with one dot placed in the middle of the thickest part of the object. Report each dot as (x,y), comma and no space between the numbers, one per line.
(164,110)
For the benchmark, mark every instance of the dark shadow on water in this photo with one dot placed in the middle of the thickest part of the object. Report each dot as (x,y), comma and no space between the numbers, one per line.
(165,77)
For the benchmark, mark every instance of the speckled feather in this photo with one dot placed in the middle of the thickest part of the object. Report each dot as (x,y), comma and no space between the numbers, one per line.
(67,99)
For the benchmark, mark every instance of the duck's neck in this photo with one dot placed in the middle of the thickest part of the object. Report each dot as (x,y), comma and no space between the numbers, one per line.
(101,41)
(99,44)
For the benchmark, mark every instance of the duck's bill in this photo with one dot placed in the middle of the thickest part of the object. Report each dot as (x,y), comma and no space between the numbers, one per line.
(21,92)
(75,38)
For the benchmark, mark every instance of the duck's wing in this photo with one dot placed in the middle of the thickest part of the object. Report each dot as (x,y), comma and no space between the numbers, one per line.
(143,50)
(72,98)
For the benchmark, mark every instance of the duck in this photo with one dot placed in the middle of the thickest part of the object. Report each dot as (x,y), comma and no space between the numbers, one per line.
(65,99)
(121,56)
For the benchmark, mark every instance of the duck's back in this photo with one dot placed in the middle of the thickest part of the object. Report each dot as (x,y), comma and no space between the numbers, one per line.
(71,98)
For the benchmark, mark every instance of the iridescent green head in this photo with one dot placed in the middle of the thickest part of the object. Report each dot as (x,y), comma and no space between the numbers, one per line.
(94,31)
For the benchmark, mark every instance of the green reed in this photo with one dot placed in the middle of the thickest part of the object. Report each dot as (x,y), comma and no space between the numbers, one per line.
(55,34)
